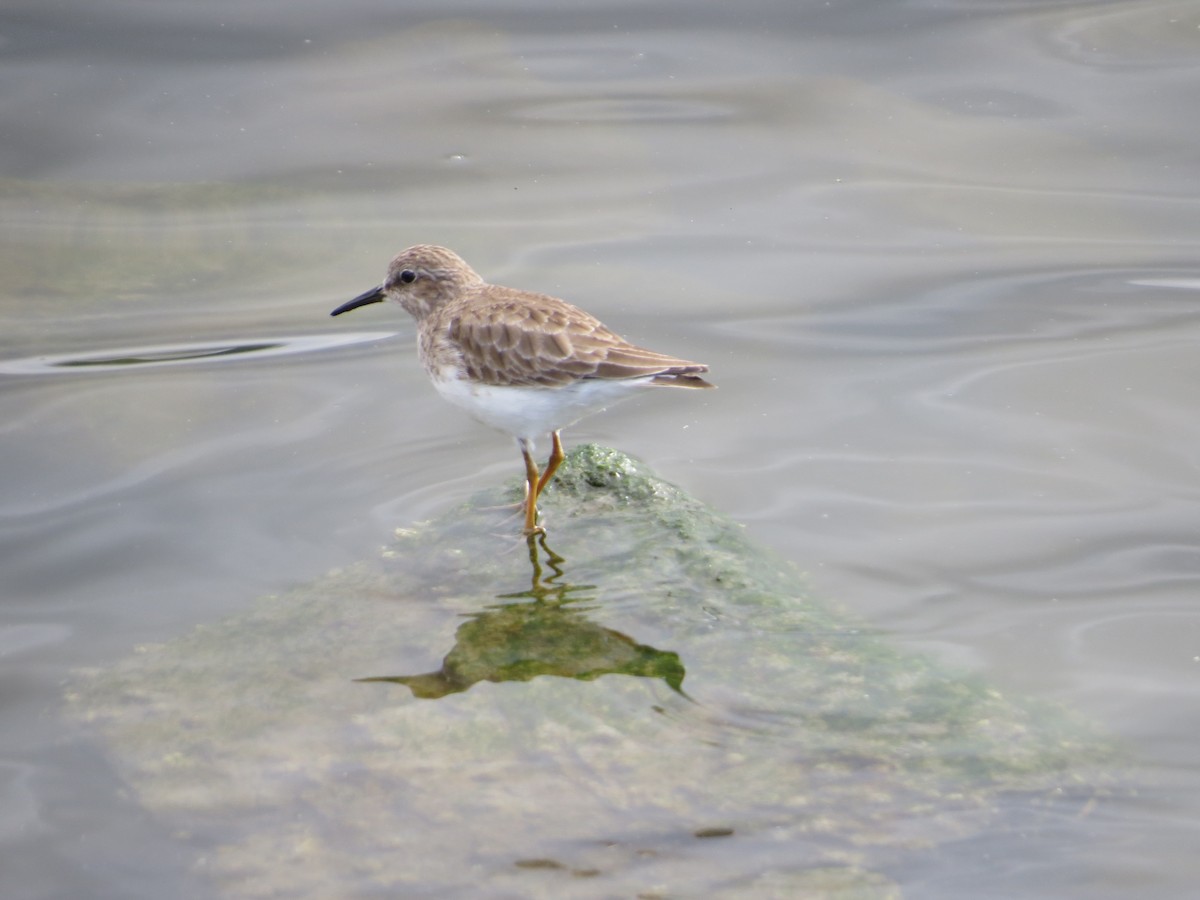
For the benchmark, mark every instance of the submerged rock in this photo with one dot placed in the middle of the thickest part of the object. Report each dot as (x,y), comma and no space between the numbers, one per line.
(643,702)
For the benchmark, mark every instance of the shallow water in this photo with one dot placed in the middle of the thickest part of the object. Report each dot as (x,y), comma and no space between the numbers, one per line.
(940,257)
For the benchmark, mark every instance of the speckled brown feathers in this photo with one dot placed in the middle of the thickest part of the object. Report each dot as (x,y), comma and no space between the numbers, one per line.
(503,337)
(509,337)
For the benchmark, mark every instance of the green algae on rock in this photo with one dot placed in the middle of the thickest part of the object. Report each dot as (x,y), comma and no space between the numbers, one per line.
(607,701)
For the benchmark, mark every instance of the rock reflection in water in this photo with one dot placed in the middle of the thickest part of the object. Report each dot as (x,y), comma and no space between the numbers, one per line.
(519,640)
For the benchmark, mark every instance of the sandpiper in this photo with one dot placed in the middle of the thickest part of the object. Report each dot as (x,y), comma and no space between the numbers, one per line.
(527,364)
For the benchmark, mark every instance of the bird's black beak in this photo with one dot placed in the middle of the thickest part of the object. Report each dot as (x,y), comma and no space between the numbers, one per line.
(374,295)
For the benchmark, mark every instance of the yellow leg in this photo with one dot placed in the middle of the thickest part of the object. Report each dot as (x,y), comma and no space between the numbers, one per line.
(531,492)
(556,457)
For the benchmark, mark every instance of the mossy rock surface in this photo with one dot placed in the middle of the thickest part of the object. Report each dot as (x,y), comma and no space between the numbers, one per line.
(644,702)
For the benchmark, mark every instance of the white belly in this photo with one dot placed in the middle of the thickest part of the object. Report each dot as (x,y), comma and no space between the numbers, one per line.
(530,412)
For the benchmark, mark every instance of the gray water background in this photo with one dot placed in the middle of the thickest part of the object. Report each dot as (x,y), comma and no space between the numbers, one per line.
(941,257)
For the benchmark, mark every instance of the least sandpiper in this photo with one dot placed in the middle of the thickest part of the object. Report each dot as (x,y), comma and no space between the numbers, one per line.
(527,364)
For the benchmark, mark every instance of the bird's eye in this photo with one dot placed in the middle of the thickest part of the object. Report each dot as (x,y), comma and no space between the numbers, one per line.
(408,276)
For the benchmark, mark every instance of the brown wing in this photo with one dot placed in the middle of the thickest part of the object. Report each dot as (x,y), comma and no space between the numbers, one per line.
(520,338)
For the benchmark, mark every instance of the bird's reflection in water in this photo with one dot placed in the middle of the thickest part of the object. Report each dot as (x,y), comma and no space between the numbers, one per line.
(517,640)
